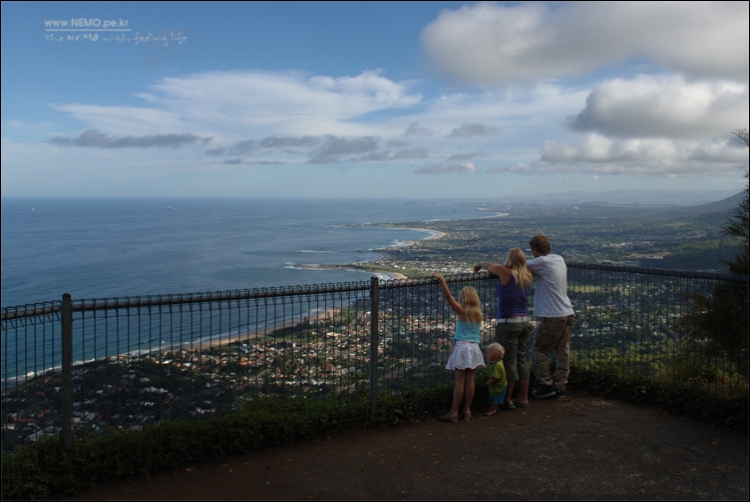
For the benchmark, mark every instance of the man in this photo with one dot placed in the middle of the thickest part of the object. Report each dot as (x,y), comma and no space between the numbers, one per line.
(554,311)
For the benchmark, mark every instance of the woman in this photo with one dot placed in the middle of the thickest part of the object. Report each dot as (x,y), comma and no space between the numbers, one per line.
(513,324)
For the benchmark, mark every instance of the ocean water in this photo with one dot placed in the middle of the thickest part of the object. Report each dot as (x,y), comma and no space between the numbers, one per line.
(106,248)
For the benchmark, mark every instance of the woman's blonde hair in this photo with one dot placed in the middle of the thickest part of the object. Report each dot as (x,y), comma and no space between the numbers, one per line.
(516,262)
(469,300)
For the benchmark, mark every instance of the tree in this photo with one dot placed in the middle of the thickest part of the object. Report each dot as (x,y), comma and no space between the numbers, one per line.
(738,224)
(719,322)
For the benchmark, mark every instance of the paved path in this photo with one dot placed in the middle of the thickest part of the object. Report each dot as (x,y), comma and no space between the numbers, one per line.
(579,448)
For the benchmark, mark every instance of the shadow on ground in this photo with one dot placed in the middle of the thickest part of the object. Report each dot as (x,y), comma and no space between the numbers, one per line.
(579,448)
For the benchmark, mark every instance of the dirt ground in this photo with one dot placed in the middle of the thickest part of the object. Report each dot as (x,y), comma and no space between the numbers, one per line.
(578,448)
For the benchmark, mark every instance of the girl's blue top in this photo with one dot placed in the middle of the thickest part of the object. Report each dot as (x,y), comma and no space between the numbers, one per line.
(468,331)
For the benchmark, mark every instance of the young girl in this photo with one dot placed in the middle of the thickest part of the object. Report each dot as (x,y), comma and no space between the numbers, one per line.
(466,356)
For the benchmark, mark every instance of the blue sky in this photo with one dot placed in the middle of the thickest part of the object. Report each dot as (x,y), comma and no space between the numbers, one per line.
(371,99)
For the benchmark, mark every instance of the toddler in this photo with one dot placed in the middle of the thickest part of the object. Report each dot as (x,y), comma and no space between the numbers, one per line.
(498,380)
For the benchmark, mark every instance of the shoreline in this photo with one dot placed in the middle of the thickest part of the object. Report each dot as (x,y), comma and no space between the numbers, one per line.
(387,275)
(395,276)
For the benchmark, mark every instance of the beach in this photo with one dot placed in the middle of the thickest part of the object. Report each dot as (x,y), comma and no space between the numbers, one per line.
(385,275)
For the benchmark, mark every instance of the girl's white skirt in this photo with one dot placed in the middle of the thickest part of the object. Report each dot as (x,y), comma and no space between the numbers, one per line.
(465,355)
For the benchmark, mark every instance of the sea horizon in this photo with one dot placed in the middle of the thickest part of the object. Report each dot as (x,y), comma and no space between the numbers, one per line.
(97,247)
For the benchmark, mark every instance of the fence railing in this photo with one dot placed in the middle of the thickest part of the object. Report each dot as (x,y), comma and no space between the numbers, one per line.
(77,368)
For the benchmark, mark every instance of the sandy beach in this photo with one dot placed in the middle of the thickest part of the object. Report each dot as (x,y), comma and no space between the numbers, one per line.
(434,234)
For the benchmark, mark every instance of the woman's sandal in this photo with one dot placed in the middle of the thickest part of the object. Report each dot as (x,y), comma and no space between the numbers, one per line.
(467,415)
(449,417)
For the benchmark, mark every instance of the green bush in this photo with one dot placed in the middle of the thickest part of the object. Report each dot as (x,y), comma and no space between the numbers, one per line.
(684,400)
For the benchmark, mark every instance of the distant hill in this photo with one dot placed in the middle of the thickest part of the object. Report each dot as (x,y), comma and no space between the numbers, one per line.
(632,197)
(716,213)
(721,205)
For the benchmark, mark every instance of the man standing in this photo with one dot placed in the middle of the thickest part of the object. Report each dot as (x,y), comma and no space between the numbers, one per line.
(553,309)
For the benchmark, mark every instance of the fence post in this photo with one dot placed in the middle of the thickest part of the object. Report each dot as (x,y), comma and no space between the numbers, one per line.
(67,368)
(374,329)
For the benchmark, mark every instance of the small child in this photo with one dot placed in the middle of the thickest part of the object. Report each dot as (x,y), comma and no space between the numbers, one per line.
(498,380)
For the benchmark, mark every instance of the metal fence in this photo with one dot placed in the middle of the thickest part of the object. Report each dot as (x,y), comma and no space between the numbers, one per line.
(77,368)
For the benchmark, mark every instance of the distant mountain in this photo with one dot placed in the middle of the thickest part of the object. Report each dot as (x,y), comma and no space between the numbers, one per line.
(714,212)
(721,205)
(632,197)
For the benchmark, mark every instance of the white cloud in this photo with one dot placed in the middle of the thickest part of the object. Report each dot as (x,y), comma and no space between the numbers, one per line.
(489,43)
(240,103)
(289,103)
(660,156)
(125,120)
(648,106)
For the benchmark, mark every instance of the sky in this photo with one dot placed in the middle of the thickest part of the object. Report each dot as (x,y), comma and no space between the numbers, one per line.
(448,100)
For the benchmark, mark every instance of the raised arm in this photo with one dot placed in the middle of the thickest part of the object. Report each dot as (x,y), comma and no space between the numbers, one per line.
(447,293)
(501,271)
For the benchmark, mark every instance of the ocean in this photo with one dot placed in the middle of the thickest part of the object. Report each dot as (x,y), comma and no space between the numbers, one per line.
(117,247)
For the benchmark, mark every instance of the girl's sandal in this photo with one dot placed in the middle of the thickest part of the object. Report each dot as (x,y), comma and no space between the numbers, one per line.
(467,415)
(449,417)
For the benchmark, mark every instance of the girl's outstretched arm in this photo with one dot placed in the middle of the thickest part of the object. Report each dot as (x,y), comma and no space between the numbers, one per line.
(447,293)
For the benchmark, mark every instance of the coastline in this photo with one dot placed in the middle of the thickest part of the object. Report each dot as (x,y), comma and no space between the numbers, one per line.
(386,275)
(394,276)
(434,234)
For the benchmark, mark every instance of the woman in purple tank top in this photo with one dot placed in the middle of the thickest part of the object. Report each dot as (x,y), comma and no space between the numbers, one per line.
(513,323)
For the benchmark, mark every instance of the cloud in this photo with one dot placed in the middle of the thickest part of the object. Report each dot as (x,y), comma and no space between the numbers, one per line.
(326,149)
(658,156)
(466,168)
(239,148)
(125,120)
(337,149)
(96,139)
(273,104)
(470,130)
(414,153)
(290,142)
(652,106)
(415,129)
(462,156)
(488,44)
(283,103)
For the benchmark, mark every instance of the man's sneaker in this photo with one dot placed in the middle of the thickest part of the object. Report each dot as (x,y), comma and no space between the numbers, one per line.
(560,393)
(544,392)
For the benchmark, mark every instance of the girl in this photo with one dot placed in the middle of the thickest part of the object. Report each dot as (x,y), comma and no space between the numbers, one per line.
(466,356)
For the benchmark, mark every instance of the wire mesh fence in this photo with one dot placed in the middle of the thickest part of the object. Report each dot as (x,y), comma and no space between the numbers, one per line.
(79,368)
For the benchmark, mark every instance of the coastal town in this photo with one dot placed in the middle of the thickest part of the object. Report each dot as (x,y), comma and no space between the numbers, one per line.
(318,357)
